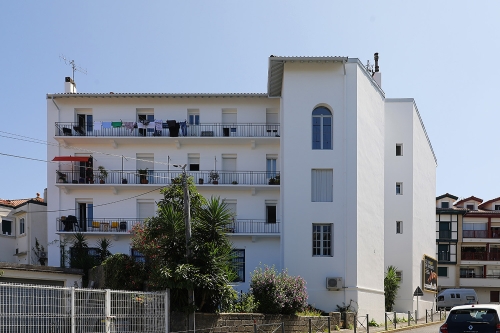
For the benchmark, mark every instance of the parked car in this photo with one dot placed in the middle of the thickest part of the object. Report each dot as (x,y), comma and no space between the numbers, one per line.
(475,318)
(449,298)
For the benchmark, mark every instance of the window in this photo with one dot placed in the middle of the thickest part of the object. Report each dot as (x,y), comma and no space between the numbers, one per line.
(321,128)
(444,252)
(399,227)
(239,264)
(145,161)
(470,207)
(444,230)
(443,271)
(194,162)
(137,256)
(322,240)
(271,213)
(21,226)
(399,188)
(322,185)
(445,204)
(194,122)
(6,227)
(497,207)
(399,149)
(494,296)
(271,165)
(399,276)
(452,295)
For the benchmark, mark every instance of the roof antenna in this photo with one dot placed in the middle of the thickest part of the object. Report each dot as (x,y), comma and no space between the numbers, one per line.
(73,65)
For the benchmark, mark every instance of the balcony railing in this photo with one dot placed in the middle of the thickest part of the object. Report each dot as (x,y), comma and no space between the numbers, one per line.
(480,234)
(120,225)
(445,234)
(253,227)
(201,130)
(444,256)
(485,256)
(165,177)
(478,276)
(69,224)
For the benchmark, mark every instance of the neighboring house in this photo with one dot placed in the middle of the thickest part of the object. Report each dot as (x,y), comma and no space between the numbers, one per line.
(470,257)
(40,275)
(23,222)
(318,172)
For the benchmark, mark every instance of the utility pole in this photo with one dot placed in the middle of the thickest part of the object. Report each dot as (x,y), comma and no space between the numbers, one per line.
(187,221)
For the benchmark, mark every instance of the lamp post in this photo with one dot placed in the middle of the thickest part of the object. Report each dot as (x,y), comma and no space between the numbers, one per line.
(187,221)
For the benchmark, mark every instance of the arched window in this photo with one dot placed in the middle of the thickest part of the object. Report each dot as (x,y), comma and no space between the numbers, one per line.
(321,128)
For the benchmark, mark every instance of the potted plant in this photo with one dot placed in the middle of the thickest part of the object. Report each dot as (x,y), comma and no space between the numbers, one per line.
(143,175)
(274,180)
(103,174)
(234,182)
(200,181)
(61,177)
(124,181)
(214,177)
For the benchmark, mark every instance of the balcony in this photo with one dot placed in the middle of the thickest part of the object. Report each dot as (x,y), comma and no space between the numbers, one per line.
(444,234)
(444,256)
(164,177)
(479,280)
(124,225)
(481,256)
(480,234)
(201,130)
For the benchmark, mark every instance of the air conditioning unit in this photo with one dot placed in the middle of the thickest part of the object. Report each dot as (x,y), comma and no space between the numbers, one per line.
(43,254)
(334,283)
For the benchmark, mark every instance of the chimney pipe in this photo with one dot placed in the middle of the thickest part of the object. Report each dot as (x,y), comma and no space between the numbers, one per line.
(69,85)
(375,56)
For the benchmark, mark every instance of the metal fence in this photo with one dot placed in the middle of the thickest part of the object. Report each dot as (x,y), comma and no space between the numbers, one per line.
(44,309)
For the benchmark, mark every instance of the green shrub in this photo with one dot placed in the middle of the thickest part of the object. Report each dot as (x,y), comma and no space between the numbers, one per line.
(336,328)
(278,292)
(310,311)
(123,272)
(242,303)
(373,323)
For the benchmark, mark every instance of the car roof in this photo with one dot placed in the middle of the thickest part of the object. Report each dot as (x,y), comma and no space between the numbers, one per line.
(478,306)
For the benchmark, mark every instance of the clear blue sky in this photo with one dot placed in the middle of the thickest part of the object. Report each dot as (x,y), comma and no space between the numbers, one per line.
(442,53)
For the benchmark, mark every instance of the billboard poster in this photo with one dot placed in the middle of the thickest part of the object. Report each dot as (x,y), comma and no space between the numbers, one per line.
(430,274)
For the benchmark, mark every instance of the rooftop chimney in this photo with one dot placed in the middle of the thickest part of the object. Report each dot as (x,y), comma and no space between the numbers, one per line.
(377,76)
(69,85)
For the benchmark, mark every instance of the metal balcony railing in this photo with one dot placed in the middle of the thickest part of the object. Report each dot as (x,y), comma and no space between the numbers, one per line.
(475,233)
(165,177)
(445,234)
(245,226)
(72,224)
(444,256)
(201,130)
(485,256)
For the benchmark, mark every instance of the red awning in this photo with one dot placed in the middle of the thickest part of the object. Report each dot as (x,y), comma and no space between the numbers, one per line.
(71,158)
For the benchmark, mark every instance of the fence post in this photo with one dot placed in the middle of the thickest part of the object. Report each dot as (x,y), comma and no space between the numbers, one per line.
(355,322)
(394,321)
(282,327)
(310,324)
(254,326)
(409,318)
(73,326)
(385,320)
(367,324)
(329,324)
(167,310)
(107,310)
(426,315)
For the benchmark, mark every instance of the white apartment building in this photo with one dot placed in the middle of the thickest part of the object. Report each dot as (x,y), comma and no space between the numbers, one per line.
(318,171)
(468,245)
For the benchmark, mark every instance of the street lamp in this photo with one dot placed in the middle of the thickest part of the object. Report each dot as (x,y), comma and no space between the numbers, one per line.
(187,221)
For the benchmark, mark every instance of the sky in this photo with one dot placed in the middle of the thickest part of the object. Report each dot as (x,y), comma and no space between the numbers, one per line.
(442,53)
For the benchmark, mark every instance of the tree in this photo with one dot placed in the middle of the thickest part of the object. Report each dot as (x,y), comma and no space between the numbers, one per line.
(391,286)
(208,270)
(80,256)
(123,272)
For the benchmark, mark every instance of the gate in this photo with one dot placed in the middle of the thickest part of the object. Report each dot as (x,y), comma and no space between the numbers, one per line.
(269,328)
(319,325)
(45,309)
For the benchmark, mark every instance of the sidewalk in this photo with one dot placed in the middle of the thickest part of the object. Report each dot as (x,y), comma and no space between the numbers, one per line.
(400,325)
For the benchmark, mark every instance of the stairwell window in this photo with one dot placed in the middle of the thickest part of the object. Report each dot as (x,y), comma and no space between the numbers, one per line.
(238,262)
(322,236)
(399,188)
(22,226)
(399,149)
(399,227)
(322,185)
(322,128)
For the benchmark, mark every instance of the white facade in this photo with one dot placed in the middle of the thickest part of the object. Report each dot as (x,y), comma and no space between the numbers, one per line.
(22,223)
(325,127)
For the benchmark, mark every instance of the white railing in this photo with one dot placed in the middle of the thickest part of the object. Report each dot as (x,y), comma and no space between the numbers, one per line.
(34,309)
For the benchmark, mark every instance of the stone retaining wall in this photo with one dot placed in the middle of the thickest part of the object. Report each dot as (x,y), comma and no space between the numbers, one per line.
(244,322)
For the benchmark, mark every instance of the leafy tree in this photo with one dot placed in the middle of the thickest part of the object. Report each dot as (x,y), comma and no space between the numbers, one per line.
(208,269)
(123,272)
(80,257)
(391,286)
(103,246)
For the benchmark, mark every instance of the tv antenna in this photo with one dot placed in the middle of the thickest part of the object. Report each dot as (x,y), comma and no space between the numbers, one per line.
(73,65)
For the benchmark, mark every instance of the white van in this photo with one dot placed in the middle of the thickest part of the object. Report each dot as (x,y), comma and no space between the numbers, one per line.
(449,298)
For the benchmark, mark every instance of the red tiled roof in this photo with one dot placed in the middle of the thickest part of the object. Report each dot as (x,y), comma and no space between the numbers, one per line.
(19,202)
(481,206)
(468,199)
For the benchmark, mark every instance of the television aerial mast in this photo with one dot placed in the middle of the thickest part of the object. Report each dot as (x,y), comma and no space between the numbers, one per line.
(73,66)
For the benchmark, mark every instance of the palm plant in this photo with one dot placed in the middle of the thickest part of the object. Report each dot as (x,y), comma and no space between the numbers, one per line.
(391,286)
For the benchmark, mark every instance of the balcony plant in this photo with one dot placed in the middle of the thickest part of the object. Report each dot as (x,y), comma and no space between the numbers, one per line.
(274,180)
(61,177)
(103,174)
(143,175)
(214,177)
